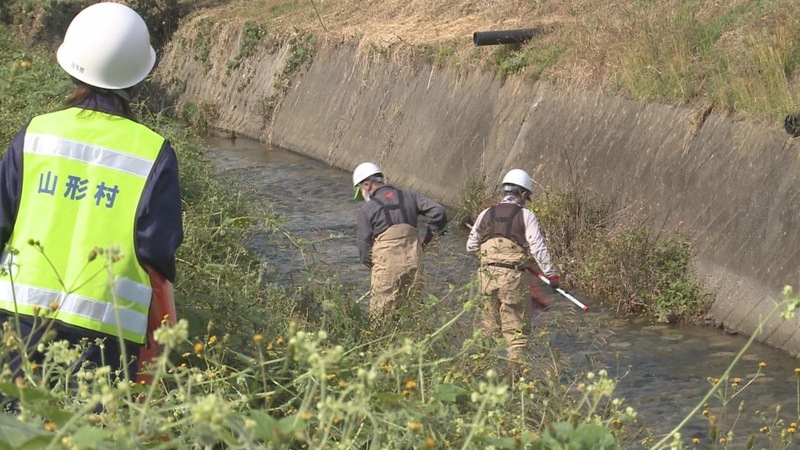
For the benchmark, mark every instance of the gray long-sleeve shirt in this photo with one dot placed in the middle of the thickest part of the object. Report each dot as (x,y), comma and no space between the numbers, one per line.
(373,220)
(533,235)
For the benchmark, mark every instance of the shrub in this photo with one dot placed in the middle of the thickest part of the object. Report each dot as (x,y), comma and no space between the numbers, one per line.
(629,266)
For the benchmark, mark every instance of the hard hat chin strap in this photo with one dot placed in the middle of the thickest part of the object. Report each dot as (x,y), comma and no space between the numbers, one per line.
(123,93)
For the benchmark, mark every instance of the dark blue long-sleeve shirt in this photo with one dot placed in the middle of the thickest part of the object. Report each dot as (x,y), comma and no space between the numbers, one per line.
(159,223)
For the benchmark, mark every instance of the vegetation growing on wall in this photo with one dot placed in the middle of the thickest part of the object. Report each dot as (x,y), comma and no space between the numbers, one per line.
(203,43)
(738,57)
(252,33)
(302,46)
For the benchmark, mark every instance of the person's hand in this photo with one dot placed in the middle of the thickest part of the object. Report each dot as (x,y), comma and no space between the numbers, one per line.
(427,239)
(555,281)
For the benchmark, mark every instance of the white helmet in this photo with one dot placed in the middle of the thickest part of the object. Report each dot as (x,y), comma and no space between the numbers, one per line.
(107,45)
(364,171)
(519,177)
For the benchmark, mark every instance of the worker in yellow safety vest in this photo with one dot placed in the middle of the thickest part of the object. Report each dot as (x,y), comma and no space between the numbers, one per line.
(388,239)
(509,242)
(90,205)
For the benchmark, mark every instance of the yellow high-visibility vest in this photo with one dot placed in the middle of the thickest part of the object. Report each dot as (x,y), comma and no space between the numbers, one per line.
(83,176)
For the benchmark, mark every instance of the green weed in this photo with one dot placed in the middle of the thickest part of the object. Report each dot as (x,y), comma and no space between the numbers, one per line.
(202,44)
(302,49)
(198,116)
(532,59)
(303,45)
(437,55)
(476,195)
(252,33)
(640,271)
(569,218)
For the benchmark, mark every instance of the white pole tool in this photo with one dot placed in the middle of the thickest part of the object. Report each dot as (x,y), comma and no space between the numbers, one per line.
(563,292)
(558,289)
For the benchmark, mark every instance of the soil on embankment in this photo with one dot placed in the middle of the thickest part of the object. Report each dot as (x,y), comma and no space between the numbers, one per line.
(730,184)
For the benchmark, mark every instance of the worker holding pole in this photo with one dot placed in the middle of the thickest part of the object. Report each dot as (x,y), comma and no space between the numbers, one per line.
(508,241)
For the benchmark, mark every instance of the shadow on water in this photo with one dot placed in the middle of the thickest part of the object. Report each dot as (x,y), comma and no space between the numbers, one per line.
(663,370)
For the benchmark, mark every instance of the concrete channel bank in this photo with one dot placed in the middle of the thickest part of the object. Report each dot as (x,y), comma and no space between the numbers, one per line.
(733,186)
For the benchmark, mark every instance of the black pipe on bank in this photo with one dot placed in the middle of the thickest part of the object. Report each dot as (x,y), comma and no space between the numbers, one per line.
(504,36)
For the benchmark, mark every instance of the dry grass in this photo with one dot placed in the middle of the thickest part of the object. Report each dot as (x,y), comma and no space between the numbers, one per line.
(739,56)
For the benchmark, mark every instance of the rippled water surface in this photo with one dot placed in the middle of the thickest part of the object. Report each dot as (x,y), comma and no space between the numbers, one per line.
(663,369)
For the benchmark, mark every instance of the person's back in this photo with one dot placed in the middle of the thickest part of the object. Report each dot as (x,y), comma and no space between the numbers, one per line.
(388,238)
(508,241)
(89,198)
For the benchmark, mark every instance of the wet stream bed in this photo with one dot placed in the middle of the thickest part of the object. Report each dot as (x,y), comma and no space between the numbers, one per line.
(663,370)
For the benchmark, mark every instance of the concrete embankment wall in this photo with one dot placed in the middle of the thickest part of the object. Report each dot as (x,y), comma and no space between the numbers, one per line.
(732,186)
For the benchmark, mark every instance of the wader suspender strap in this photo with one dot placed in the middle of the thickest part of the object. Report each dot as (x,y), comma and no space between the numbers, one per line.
(400,205)
(507,220)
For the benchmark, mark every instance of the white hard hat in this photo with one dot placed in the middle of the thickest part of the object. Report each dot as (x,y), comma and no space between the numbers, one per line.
(107,45)
(519,177)
(364,171)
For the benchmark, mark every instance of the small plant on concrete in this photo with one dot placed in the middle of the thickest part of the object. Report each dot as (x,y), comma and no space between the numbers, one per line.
(251,35)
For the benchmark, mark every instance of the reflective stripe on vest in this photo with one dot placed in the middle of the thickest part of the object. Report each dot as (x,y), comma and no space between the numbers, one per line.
(83,176)
(80,151)
(82,310)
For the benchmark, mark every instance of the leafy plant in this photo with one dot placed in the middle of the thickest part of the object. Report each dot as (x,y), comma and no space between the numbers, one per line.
(252,33)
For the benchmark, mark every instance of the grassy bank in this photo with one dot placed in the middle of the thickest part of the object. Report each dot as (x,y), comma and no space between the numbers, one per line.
(250,370)
(739,57)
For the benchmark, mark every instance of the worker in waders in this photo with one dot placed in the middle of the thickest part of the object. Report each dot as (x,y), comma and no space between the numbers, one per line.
(509,242)
(90,205)
(388,240)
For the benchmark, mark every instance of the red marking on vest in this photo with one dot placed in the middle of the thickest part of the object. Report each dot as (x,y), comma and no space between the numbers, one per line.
(389,195)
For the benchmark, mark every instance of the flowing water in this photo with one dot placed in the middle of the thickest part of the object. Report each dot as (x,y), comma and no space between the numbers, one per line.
(663,370)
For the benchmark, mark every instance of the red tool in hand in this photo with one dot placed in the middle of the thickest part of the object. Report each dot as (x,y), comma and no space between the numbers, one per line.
(559,290)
